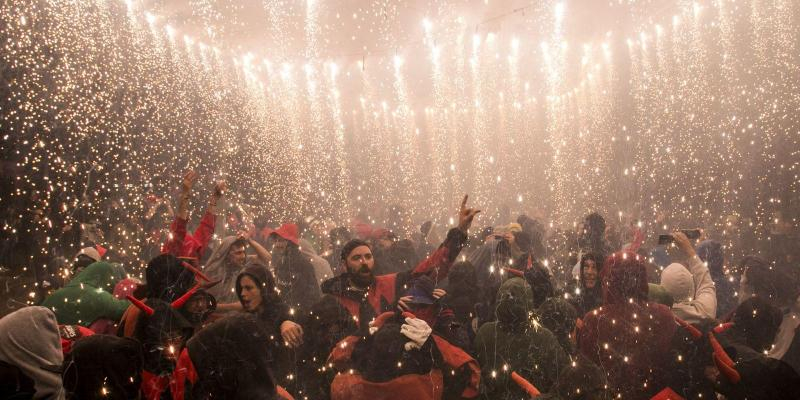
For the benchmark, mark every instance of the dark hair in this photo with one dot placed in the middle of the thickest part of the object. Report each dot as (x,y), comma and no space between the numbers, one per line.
(523,241)
(591,256)
(758,320)
(263,279)
(351,245)
(768,282)
(239,243)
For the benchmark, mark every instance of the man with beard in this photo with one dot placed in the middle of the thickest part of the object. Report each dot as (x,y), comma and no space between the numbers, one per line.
(354,298)
(225,264)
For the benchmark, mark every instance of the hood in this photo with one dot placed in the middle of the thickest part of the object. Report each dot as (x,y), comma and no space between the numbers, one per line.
(155,332)
(229,358)
(624,277)
(288,232)
(557,315)
(101,275)
(101,362)
(216,269)
(216,262)
(677,280)
(307,248)
(29,340)
(167,279)
(514,301)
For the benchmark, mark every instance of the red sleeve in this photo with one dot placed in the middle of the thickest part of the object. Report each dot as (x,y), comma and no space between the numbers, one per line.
(202,235)
(439,262)
(175,244)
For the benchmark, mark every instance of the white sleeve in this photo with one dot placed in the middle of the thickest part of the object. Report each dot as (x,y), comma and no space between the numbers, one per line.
(705,297)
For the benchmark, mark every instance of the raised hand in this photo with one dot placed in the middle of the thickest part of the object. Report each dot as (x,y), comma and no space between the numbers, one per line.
(219,188)
(189,178)
(466,215)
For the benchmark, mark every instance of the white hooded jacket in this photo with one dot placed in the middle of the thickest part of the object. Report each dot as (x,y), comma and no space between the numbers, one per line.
(692,289)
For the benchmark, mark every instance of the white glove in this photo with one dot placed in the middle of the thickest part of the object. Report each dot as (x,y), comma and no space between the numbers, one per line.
(372,327)
(417,330)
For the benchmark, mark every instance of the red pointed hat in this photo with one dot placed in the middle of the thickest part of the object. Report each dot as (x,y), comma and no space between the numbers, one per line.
(288,232)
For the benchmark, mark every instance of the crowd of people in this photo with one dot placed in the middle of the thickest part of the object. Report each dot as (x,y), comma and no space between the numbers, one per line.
(368,313)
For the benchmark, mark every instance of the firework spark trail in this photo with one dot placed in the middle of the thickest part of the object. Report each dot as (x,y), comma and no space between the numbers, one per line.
(694,119)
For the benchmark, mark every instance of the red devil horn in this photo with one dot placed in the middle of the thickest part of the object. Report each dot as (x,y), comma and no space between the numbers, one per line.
(696,334)
(514,271)
(722,327)
(195,271)
(525,385)
(140,305)
(731,373)
(408,314)
(180,301)
(719,351)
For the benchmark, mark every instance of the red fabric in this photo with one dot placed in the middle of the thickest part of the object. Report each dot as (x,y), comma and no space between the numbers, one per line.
(457,359)
(184,371)
(183,244)
(437,265)
(264,233)
(126,287)
(131,318)
(153,385)
(417,387)
(363,231)
(71,333)
(525,385)
(289,232)
(104,326)
(282,393)
(611,333)
(101,250)
(624,277)
(667,394)
(342,352)
(384,288)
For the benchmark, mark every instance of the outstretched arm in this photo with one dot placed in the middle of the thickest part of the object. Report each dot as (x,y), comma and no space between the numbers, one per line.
(174,245)
(439,262)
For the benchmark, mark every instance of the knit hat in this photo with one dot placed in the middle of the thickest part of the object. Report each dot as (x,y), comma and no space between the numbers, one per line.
(678,282)
(90,252)
(421,289)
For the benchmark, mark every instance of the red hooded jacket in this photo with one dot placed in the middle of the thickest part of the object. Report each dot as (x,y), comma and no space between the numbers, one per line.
(183,244)
(628,337)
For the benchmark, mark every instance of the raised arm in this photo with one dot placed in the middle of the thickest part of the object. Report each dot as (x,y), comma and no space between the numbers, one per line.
(174,245)
(438,263)
(705,293)
(202,235)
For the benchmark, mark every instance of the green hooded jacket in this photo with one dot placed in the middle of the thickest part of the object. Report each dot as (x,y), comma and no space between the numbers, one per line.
(516,342)
(88,297)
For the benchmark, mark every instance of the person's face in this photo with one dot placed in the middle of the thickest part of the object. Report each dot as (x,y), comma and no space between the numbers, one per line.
(251,294)
(360,262)
(197,305)
(280,244)
(385,243)
(237,256)
(590,273)
(744,289)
